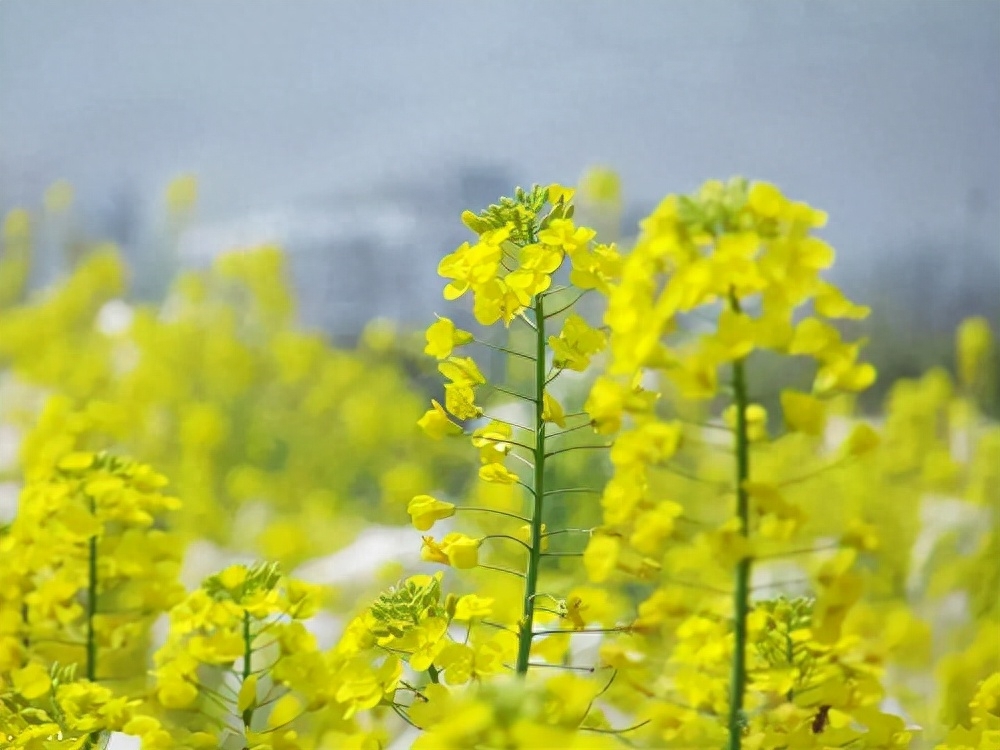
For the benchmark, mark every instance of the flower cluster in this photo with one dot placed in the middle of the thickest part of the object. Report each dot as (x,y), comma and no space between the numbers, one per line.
(238,655)
(87,566)
(670,528)
(219,387)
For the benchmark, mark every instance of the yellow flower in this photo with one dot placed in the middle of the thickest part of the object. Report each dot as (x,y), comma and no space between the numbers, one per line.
(756,420)
(601,556)
(173,691)
(830,302)
(436,423)
(497,474)
(803,413)
(495,300)
(862,439)
(493,441)
(77,462)
(425,510)
(563,234)
(471,265)
(540,258)
(431,551)
(361,687)
(443,337)
(524,534)
(462,371)
(526,283)
(233,578)
(460,550)
(426,641)
(560,194)
(31,681)
(247,697)
(471,606)
(576,343)
(975,345)
(766,200)
(460,400)
(285,711)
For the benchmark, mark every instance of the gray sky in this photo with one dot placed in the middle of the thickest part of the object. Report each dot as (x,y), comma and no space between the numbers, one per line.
(886,114)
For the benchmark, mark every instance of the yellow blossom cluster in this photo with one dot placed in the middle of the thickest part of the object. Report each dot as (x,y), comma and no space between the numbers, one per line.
(87,566)
(670,527)
(219,387)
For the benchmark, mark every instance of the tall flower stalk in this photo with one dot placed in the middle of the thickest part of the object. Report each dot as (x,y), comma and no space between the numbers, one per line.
(515,272)
(740,258)
(538,493)
(741,595)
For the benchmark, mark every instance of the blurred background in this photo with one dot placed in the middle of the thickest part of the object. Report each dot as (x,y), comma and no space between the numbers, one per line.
(354,134)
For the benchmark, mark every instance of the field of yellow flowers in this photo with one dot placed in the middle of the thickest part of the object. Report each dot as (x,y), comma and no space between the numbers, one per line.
(643,508)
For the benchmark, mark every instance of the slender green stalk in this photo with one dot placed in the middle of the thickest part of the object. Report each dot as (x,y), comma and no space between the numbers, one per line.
(741,602)
(91,643)
(26,637)
(492,510)
(534,553)
(247,667)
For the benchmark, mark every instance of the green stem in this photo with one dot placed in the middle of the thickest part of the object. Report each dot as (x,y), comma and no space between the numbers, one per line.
(26,637)
(741,602)
(432,672)
(247,666)
(91,644)
(534,553)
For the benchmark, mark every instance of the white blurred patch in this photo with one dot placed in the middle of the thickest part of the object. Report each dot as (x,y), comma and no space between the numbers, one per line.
(9,492)
(115,317)
(10,441)
(362,559)
(121,741)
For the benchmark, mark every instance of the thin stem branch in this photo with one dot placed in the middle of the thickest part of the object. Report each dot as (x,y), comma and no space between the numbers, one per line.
(812,474)
(509,392)
(794,552)
(505,350)
(507,422)
(632,728)
(564,308)
(479,509)
(577,448)
(514,443)
(619,629)
(501,570)
(567,531)
(568,490)
(692,477)
(569,430)
(589,670)
(498,626)
(509,537)
(523,460)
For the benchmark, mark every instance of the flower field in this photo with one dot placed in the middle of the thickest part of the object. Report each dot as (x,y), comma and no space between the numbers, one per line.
(630,496)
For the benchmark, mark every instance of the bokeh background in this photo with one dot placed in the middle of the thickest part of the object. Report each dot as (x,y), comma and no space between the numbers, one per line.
(353,133)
